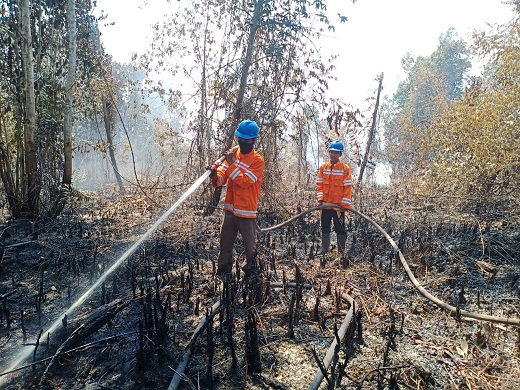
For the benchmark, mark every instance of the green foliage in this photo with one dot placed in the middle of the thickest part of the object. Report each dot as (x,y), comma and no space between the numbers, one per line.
(432,83)
(475,144)
(50,52)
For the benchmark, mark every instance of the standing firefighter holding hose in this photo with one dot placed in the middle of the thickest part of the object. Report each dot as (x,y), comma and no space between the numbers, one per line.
(334,185)
(242,171)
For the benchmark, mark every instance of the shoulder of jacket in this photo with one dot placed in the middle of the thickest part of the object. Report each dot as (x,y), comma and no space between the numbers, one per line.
(258,155)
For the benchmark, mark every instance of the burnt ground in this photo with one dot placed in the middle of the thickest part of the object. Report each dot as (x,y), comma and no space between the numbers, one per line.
(133,331)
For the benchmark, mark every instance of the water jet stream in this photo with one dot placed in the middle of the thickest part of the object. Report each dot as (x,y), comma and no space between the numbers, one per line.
(26,351)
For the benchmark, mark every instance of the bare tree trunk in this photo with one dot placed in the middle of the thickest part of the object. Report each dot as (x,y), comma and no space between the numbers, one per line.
(372,132)
(237,115)
(69,83)
(31,164)
(300,152)
(203,140)
(108,117)
(107,104)
(6,173)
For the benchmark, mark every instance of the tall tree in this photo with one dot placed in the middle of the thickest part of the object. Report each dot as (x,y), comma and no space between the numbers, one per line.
(432,82)
(31,165)
(474,146)
(102,91)
(244,74)
(237,110)
(259,61)
(109,117)
(69,84)
(372,132)
(12,167)
(34,41)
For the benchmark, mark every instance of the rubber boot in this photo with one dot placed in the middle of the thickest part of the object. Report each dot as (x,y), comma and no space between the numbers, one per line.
(342,239)
(325,243)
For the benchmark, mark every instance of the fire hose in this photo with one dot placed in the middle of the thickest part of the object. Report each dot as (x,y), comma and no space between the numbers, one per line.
(455,310)
(26,351)
(318,378)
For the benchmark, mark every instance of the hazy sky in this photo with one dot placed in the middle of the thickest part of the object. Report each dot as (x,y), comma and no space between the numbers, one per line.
(374,40)
(380,32)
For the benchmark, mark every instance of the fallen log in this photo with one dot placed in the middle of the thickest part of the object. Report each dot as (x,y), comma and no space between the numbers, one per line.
(83,326)
(318,377)
(179,372)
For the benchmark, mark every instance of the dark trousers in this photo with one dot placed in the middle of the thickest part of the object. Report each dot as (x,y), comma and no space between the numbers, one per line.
(337,217)
(228,234)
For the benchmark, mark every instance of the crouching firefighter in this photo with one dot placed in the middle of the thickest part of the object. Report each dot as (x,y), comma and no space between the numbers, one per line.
(242,171)
(334,185)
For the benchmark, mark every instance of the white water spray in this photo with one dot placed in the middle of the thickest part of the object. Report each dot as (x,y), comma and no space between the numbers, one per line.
(26,351)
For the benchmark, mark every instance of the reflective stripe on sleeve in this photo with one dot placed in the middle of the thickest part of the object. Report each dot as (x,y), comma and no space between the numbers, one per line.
(251,175)
(235,173)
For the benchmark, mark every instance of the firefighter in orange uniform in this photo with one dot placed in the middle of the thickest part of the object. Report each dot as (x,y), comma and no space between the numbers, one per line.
(334,185)
(242,171)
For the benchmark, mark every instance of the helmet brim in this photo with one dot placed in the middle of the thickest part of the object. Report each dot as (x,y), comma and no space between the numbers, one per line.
(244,136)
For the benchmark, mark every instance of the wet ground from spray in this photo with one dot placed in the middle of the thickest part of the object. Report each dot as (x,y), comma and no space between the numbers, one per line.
(168,285)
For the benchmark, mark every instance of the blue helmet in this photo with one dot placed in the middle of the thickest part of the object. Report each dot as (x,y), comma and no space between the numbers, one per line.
(247,129)
(336,146)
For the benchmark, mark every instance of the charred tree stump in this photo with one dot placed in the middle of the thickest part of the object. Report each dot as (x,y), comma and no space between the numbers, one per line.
(359,336)
(345,260)
(335,358)
(298,305)
(328,289)
(228,296)
(290,317)
(390,344)
(22,325)
(253,289)
(252,348)
(210,347)
(140,352)
(316,312)
(36,347)
(230,342)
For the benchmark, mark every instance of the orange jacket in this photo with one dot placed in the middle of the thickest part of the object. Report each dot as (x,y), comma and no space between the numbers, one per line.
(244,179)
(335,185)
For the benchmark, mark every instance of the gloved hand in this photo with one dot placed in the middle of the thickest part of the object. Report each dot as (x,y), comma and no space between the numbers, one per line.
(230,157)
(320,203)
(213,169)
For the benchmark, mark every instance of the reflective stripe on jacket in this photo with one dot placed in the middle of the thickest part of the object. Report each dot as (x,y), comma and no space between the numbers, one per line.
(244,180)
(335,185)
